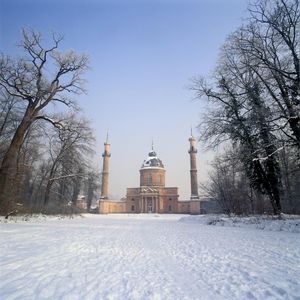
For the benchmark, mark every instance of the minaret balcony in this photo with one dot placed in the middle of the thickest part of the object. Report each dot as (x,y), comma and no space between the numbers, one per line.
(106,154)
(193,151)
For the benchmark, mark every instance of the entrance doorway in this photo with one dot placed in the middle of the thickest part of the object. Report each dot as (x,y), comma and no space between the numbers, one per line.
(149,205)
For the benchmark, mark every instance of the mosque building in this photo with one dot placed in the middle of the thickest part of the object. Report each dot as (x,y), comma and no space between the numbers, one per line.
(152,196)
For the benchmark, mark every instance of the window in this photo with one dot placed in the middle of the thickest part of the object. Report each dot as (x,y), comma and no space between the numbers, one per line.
(170,199)
(132,199)
(132,207)
(170,208)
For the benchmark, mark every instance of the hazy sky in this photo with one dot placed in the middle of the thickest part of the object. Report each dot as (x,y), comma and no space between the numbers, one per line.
(142,55)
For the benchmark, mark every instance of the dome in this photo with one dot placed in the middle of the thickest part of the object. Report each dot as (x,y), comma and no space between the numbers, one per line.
(152,161)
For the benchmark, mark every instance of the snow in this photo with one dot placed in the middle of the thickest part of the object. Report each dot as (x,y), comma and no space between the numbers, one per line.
(290,223)
(145,257)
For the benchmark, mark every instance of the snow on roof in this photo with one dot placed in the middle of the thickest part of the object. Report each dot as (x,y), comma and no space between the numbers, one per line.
(152,161)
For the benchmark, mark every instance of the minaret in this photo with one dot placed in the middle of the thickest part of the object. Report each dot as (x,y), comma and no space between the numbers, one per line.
(105,171)
(193,161)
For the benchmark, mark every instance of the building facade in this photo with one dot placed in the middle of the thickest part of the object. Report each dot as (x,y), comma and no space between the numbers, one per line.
(151,196)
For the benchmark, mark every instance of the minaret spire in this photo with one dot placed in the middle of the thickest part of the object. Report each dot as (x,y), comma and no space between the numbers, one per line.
(193,171)
(106,137)
(105,170)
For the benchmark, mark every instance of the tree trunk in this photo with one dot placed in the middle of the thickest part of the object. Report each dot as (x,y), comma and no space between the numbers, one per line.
(49,183)
(9,166)
(47,192)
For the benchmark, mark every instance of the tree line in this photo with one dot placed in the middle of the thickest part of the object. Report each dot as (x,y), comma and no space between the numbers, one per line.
(45,155)
(254,112)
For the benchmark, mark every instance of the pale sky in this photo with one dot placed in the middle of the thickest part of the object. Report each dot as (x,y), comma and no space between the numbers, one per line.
(143,54)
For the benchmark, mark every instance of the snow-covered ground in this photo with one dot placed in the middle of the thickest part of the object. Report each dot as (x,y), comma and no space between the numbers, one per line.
(290,223)
(145,257)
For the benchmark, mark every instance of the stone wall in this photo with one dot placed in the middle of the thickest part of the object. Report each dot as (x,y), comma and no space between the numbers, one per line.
(183,207)
(111,206)
(195,207)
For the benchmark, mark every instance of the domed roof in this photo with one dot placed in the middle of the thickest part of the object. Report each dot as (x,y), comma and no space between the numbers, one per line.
(152,161)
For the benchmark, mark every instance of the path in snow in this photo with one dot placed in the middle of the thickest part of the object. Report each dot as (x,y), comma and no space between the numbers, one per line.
(145,257)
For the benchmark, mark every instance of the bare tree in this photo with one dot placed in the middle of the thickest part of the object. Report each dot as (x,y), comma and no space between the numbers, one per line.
(67,163)
(240,116)
(255,94)
(229,186)
(272,40)
(43,76)
(91,186)
(10,115)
